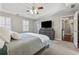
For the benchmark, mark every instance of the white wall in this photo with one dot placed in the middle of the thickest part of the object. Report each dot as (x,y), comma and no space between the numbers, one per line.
(57,19)
(56,26)
(16,22)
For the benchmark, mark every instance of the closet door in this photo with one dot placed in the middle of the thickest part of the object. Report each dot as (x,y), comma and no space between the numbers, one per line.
(75,36)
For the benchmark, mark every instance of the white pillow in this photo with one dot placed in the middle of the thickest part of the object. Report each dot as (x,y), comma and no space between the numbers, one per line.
(1,43)
(15,35)
(11,31)
(5,34)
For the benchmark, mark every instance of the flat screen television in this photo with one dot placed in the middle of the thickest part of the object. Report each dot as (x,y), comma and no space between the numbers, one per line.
(46,24)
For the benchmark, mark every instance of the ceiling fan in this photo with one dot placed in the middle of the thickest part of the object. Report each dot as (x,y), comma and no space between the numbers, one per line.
(71,5)
(35,10)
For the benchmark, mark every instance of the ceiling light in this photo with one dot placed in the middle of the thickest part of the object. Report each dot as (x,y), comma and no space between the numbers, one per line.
(35,10)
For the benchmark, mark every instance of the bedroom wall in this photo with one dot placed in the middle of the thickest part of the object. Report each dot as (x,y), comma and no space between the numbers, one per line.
(16,22)
(56,25)
(57,19)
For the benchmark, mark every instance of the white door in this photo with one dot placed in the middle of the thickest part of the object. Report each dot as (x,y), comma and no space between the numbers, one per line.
(75,36)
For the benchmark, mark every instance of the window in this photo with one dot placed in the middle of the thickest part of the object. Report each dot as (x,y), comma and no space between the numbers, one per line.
(25,25)
(5,22)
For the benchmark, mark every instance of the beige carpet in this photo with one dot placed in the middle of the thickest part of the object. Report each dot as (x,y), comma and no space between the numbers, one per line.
(61,48)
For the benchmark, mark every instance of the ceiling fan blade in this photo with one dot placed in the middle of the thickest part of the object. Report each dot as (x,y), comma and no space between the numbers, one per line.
(33,7)
(41,7)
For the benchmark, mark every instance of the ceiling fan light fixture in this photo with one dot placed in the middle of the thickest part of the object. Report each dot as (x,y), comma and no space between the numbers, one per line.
(31,11)
(35,10)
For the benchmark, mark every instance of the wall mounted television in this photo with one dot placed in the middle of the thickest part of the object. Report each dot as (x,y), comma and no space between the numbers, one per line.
(46,24)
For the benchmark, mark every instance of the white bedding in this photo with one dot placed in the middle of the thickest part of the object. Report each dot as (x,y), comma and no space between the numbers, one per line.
(45,39)
(29,43)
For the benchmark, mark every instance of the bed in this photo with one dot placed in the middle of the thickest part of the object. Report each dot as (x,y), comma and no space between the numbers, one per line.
(29,44)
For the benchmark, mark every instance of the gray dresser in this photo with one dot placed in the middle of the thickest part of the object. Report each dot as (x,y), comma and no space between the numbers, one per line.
(48,31)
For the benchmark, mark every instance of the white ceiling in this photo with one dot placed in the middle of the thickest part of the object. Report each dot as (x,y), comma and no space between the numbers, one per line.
(20,8)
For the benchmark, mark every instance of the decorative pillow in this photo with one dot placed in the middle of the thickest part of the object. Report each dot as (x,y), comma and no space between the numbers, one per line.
(11,32)
(5,34)
(1,43)
(15,35)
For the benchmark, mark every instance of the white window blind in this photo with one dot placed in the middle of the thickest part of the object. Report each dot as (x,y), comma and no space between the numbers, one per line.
(5,22)
(25,25)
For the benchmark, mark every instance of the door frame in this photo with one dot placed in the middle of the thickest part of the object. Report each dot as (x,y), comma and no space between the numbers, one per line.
(63,19)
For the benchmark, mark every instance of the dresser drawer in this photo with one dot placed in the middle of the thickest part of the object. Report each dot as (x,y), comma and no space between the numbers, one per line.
(48,32)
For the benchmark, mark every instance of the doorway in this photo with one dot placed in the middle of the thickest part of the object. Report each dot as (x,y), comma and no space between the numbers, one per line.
(67,29)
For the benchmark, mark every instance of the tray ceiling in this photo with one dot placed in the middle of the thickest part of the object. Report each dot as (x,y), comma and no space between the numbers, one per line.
(21,9)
